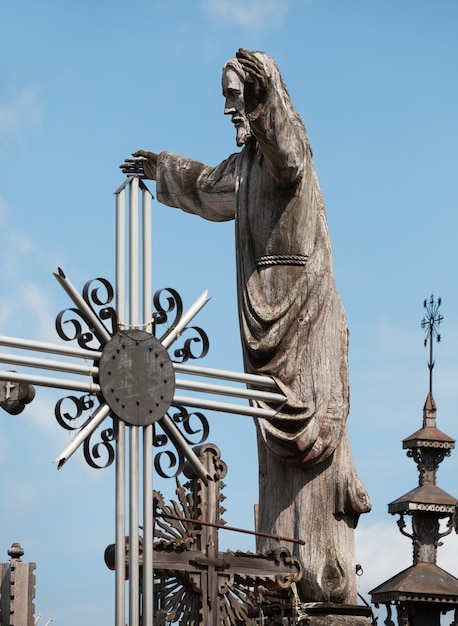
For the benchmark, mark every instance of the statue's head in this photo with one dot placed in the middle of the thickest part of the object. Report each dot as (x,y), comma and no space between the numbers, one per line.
(233,90)
(233,82)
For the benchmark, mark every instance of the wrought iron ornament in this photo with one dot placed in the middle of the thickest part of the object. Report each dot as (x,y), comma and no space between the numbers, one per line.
(135,374)
(430,324)
(197,584)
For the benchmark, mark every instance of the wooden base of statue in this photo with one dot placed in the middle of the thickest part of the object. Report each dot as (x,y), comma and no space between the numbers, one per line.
(311,504)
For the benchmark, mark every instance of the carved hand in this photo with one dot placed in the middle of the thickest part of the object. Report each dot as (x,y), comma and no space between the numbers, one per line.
(256,79)
(144,164)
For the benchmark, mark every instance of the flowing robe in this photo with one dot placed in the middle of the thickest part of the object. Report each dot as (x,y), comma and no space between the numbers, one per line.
(293,328)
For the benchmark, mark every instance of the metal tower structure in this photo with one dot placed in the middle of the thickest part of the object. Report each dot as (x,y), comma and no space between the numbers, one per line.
(423,591)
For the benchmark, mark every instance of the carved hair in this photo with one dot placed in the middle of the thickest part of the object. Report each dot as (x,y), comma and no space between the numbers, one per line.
(233,64)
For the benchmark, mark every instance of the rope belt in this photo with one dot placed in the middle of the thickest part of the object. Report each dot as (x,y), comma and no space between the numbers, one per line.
(270,260)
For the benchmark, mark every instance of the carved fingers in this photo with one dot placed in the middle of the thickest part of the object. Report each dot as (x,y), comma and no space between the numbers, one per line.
(254,68)
(143,164)
(256,79)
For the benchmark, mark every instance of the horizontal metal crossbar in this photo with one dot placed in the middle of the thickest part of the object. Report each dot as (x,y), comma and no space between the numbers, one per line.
(94,389)
(54,348)
(48,364)
(255,380)
(49,381)
(224,407)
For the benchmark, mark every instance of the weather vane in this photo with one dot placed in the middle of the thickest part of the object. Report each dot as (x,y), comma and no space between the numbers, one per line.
(430,323)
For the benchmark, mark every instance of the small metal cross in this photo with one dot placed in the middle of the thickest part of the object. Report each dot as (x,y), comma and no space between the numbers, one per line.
(9,388)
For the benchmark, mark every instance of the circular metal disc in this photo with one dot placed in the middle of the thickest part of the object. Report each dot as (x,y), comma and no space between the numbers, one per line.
(136,377)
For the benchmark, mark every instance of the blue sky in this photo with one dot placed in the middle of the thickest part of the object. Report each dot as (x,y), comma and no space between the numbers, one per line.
(84,84)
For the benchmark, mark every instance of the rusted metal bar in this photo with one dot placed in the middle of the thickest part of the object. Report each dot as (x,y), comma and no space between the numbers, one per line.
(257,533)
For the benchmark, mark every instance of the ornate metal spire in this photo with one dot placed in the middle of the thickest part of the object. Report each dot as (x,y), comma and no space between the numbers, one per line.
(430,323)
(424,591)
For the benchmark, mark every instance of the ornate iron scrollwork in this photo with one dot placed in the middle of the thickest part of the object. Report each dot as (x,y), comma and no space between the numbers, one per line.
(91,295)
(77,318)
(161,315)
(195,429)
(94,452)
(70,419)
(168,307)
(75,412)
(185,353)
(71,414)
(84,339)
(196,583)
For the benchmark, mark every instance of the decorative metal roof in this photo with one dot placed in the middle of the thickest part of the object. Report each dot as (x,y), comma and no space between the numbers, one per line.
(423,582)
(427,497)
(428,438)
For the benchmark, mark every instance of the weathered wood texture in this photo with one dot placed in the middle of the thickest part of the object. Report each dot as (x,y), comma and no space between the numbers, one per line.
(292,322)
(17,590)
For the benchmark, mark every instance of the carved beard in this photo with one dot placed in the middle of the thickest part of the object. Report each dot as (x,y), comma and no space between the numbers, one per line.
(243,133)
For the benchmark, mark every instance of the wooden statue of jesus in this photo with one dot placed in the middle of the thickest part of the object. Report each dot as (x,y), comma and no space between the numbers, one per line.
(292,322)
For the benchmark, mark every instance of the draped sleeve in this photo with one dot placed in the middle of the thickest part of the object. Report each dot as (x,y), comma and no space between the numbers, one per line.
(197,188)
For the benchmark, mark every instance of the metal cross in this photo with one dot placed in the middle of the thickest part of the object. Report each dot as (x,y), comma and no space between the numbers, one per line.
(194,581)
(133,380)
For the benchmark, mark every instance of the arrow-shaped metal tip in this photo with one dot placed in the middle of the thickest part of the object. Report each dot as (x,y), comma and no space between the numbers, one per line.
(96,419)
(175,331)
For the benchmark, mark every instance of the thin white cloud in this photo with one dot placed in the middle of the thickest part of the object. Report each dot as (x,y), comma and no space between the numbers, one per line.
(21,299)
(247,13)
(35,301)
(382,552)
(18,113)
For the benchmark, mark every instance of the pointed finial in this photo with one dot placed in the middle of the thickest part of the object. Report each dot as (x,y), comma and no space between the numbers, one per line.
(430,323)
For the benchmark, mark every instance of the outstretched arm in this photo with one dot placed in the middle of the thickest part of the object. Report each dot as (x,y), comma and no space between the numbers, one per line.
(144,164)
(187,184)
(197,188)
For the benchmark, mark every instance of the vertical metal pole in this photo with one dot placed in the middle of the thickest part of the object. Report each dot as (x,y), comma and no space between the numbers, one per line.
(148,604)
(133,252)
(148,531)
(121,252)
(134,583)
(134,586)
(120,499)
(147,256)
(131,242)
(120,563)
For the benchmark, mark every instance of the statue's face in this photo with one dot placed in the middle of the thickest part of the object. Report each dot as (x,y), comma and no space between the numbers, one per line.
(235,104)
